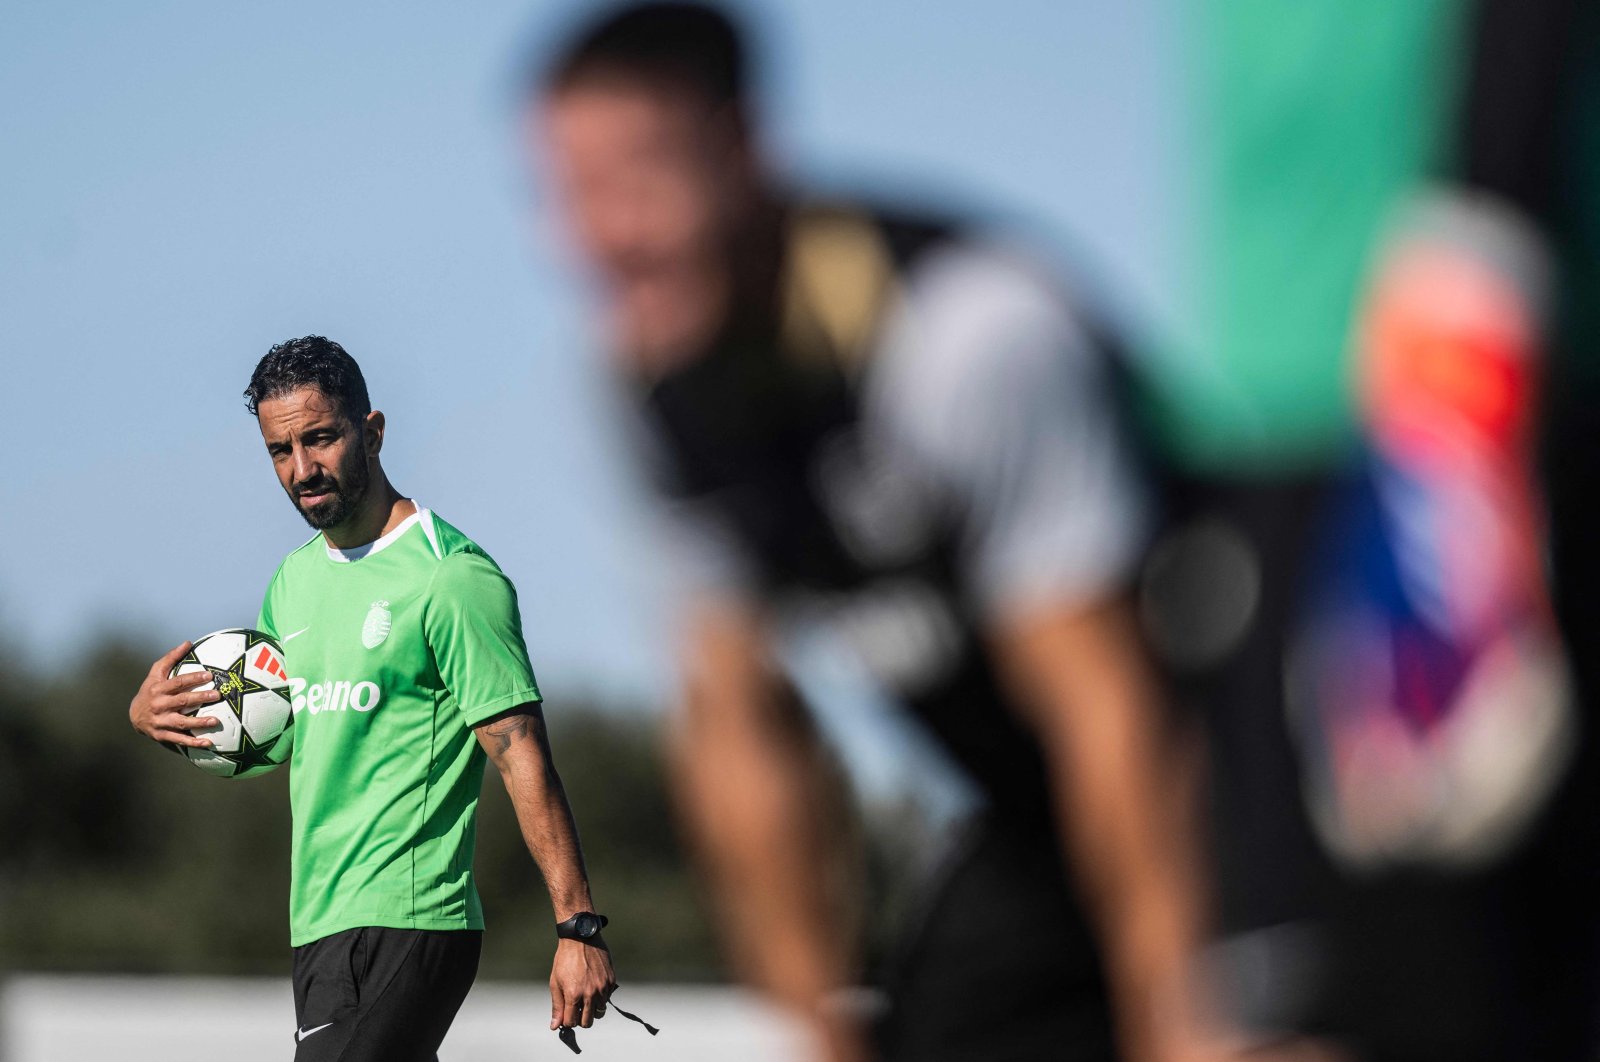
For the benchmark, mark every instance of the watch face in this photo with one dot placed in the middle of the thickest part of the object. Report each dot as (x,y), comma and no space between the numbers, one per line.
(587,926)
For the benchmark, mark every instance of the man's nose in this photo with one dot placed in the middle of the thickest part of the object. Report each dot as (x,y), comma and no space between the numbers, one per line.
(304,467)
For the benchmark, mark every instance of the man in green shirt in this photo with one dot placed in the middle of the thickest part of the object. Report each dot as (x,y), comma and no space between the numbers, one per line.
(408,665)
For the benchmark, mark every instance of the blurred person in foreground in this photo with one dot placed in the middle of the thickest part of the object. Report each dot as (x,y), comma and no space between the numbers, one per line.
(905,430)
(408,671)
(1406,799)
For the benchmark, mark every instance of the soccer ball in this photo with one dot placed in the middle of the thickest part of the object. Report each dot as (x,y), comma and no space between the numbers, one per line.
(254,718)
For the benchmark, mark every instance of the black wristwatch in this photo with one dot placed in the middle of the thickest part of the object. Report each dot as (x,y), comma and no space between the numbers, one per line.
(583,926)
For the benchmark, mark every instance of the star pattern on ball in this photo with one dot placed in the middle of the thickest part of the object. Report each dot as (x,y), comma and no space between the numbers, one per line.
(250,754)
(234,687)
(254,638)
(233,684)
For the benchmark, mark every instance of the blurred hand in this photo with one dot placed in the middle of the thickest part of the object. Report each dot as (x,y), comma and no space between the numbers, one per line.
(1214,1046)
(1297,1050)
(842,1040)
(160,710)
(581,980)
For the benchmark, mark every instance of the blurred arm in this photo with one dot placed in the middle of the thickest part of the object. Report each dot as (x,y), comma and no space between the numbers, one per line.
(1043,474)
(753,790)
(1122,800)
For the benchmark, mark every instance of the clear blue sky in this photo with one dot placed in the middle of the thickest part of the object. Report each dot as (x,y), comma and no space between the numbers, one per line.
(186,183)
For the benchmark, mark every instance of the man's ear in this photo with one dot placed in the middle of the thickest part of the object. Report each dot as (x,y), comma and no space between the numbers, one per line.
(372,432)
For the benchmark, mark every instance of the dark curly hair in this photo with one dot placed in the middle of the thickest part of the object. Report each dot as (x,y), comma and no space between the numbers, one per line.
(310,361)
(683,43)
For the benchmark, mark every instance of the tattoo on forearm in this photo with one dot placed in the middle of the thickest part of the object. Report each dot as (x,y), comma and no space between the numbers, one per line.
(503,733)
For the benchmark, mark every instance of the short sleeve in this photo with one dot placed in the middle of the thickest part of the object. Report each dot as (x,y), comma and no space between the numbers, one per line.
(997,393)
(474,631)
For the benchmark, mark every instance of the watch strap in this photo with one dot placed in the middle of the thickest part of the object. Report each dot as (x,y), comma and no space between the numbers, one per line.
(568,930)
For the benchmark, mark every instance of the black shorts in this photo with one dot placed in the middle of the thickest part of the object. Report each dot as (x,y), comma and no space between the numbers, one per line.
(1001,965)
(372,994)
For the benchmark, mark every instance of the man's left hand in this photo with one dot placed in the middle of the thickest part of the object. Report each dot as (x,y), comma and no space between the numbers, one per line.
(581,980)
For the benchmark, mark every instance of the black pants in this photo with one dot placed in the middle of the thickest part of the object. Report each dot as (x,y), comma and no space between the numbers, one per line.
(1000,966)
(380,995)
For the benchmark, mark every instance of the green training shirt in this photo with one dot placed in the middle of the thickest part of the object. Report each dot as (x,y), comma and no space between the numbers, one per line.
(395,651)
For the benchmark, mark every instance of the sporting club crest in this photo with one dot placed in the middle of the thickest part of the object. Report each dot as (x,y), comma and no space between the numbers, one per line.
(376,626)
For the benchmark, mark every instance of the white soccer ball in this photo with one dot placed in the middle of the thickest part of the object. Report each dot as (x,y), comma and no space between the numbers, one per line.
(255,722)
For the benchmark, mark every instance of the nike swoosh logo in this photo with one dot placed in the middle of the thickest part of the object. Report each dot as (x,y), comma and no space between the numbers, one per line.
(290,637)
(301,1034)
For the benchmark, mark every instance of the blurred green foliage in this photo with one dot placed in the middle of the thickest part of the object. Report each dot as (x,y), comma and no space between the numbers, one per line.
(117,856)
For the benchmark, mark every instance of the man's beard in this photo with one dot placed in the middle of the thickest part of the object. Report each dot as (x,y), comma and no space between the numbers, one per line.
(344,494)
